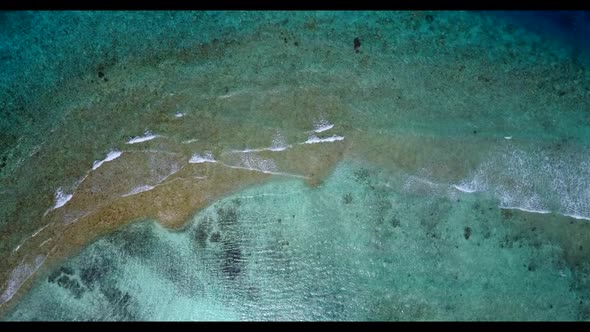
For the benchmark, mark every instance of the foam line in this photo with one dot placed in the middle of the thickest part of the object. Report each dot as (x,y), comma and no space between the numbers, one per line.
(138,190)
(206,157)
(278,144)
(112,155)
(145,188)
(148,136)
(274,149)
(45,242)
(61,199)
(41,229)
(20,244)
(314,139)
(575,216)
(266,172)
(322,126)
(464,189)
(524,209)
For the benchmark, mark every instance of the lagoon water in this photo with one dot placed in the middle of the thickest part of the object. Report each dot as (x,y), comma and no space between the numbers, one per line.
(294,166)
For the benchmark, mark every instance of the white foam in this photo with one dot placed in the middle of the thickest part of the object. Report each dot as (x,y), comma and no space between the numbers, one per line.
(206,157)
(251,161)
(138,190)
(422,180)
(173,170)
(507,137)
(40,230)
(531,202)
(146,137)
(524,209)
(179,115)
(20,244)
(278,148)
(278,143)
(575,216)
(321,126)
(112,155)
(81,180)
(421,183)
(471,186)
(233,94)
(274,149)
(61,199)
(189,141)
(18,276)
(536,180)
(464,188)
(267,171)
(247,150)
(313,139)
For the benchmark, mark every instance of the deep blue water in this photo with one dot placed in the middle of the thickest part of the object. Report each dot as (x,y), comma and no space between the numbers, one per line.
(569,26)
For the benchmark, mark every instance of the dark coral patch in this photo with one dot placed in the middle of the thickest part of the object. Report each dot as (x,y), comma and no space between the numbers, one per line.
(357,44)
(467,233)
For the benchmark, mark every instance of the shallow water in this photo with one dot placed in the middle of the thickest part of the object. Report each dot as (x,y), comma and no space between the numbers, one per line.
(293,166)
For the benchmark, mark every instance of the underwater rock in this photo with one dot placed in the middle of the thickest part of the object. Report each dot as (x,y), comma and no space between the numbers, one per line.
(63,278)
(201,233)
(227,217)
(231,265)
(357,44)
(467,232)
(215,237)
(347,198)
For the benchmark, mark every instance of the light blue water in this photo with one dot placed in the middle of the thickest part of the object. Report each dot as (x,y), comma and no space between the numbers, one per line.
(353,249)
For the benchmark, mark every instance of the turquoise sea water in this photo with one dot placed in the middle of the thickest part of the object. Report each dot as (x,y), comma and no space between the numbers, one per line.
(294,166)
